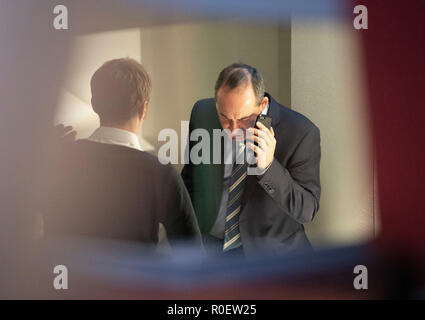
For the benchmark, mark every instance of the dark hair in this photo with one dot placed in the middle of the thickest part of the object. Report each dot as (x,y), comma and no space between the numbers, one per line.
(240,73)
(119,87)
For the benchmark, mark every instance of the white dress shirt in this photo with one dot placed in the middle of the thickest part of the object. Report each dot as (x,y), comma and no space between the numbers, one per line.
(116,136)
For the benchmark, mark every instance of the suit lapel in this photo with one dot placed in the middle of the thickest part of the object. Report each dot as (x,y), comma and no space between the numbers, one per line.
(214,172)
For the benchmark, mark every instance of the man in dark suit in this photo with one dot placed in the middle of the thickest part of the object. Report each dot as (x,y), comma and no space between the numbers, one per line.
(238,212)
(106,186)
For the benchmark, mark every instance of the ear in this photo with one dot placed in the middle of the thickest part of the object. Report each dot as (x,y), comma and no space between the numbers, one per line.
(264,103)
(143,110)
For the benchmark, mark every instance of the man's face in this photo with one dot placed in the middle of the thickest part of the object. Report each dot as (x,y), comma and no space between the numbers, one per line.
(238,109)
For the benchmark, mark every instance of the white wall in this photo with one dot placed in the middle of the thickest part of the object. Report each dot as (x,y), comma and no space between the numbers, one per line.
(185,60)
(89,52)
(327,87)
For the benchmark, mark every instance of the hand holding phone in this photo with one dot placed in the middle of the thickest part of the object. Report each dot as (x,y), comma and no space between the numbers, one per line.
(265,120)
(264,141)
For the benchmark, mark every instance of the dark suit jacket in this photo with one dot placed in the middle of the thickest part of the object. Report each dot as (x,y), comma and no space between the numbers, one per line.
(111,191)
(276,205)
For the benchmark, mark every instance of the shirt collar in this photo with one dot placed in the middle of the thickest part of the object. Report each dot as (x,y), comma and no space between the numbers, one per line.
(116,136)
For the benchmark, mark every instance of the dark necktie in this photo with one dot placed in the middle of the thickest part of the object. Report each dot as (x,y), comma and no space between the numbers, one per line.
(232,236)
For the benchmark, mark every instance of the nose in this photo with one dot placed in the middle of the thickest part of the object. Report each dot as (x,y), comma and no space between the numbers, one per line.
(233,126)
(238,132)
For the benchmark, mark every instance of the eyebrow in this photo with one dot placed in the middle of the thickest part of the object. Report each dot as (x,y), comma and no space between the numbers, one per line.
(221,113)
(244,118)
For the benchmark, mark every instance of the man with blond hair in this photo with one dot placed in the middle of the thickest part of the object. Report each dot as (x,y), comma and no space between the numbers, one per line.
(106,186)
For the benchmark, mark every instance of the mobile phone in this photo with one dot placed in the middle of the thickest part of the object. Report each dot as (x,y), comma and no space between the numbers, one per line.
(264,119)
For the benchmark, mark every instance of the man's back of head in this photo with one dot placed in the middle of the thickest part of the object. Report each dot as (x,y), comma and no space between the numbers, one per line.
(106,186)
(121,91)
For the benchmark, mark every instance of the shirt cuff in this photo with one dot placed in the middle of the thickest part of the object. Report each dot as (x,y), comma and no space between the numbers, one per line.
(262,172)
